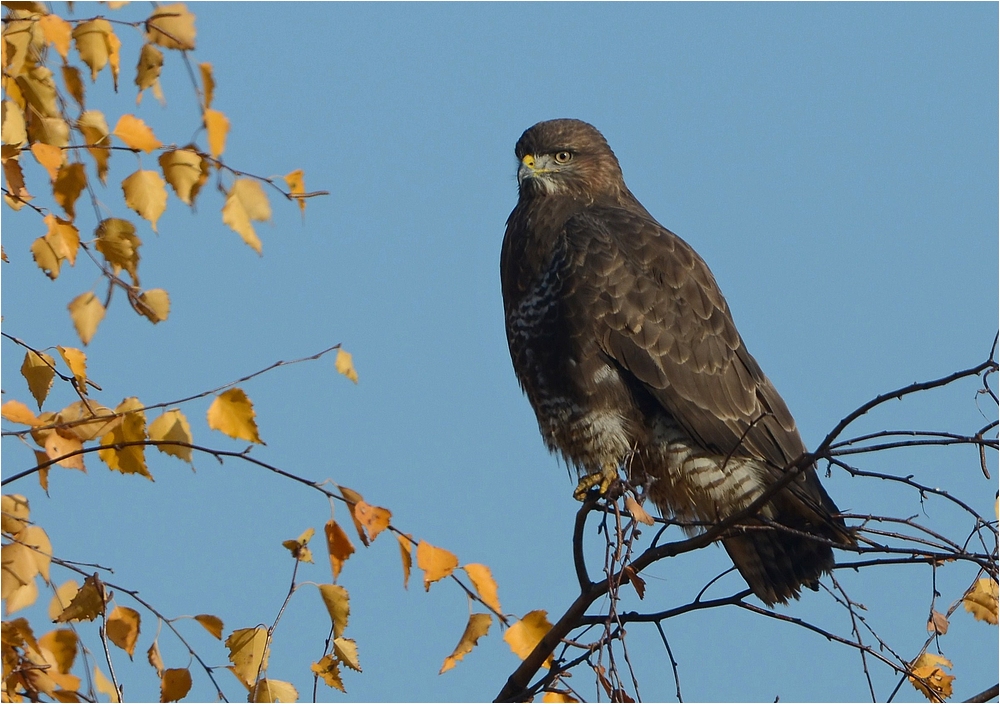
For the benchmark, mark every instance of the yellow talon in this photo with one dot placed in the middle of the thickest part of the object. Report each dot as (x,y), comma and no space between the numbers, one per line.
(603,479)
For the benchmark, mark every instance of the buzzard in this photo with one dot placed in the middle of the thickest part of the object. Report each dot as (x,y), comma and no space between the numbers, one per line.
(627,351)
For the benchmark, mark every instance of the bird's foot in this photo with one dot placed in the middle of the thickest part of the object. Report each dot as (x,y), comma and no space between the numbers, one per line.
(601,479)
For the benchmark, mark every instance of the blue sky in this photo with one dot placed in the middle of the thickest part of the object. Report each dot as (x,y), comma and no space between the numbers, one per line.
(836,166)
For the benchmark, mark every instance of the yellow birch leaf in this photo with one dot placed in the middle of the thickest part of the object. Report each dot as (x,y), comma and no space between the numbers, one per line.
(981,600)
(346,651)
(929,678)
(63,237)
(17,412)
(39,434)
(45,257)
(50,157)
(299,547)
(352,498)
(59,445)
(937,623)
(114,56)
(248,652)
(486,586)
(297,186)
(87,420)
(638,583)
(232,413)
(345,365)
(208,84)
(233,670)
(69,183)
(477,627)
(76,360)
(14,130)
(637,512)
(17,633)
(274,691)
(172,27)
(175,684)
(19,568)
(16,96)
(18,194)
(117,241)
(136,135)
(328,669)
(93,44)
(405,552)
(39,91)
(437,563)
(172,425)
(62,598)
(35,537)
(212,624)
(21,597)
(375,519)
(185,171)
(94,129)
(50,130)
(105,686)
(10,152)
(74,84)
(57,32)
(62,643)
(15,512)
(18,587)
(154,658)
(146,193)
(120,456)
(337,546)
(302,553)
(147,72)
(122,627)
(43,472)
(67,684)
(154,304)
(87,604)
(87,313)
(217,126)
(245,202)
(558,698)
(338,605)
(524,635)
(38,369)
(38,680)
(20,36)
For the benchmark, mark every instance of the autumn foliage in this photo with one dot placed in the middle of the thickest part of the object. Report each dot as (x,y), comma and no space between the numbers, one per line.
(49,61)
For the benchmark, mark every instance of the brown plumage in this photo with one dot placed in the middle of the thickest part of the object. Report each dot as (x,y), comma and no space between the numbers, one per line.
(627,351)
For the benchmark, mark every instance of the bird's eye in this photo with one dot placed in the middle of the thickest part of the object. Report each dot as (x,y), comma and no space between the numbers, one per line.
(563,157)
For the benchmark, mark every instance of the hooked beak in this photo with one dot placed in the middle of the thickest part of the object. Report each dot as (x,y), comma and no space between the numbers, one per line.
(532,167)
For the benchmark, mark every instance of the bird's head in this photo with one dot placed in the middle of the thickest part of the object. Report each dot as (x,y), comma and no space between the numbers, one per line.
(568,158)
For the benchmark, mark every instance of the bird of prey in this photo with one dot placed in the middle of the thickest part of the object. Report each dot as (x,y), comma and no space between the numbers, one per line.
(627,351)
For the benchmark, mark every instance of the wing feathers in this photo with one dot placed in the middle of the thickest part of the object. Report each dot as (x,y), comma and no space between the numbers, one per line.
(655,306)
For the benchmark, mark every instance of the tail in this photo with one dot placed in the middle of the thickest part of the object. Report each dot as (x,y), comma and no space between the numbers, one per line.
(775,563)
